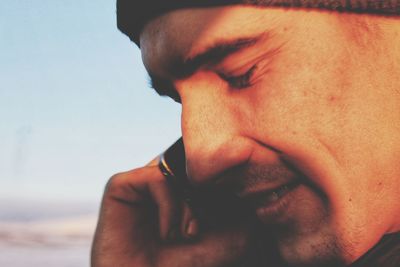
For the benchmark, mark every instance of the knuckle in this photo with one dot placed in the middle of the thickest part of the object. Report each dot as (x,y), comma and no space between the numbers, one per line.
(128,184)
(121,183)
(115,182)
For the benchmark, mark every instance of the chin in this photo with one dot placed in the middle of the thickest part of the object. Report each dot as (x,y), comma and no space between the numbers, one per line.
(316,249)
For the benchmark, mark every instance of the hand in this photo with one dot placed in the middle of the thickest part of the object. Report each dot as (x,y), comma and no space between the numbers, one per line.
(143,224)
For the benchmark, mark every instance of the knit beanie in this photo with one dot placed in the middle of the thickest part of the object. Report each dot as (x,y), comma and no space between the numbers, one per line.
(132,15)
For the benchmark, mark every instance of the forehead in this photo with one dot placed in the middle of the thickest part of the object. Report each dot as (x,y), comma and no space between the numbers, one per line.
(181,34)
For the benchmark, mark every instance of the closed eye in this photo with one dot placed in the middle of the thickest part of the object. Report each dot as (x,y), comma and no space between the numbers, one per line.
(240,81)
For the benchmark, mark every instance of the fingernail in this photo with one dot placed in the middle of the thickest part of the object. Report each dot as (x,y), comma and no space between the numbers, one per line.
(192,228)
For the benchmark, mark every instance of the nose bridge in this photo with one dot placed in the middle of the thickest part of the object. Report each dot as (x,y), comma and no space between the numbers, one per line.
(211,130)
(205,117)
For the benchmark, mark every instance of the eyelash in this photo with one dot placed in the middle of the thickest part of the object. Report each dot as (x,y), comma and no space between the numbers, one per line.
(240,81)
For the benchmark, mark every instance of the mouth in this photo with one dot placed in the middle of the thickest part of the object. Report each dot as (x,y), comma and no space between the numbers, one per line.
(270,204)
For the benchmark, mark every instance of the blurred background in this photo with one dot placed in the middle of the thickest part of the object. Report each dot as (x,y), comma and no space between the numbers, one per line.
(75,108)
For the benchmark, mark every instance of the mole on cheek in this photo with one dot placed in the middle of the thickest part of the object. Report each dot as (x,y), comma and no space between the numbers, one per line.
(332,98)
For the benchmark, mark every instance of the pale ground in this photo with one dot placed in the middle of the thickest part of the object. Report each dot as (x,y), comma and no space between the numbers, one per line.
(57,239)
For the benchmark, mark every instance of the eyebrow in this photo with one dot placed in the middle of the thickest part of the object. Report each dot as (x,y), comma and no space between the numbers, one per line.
(212,54)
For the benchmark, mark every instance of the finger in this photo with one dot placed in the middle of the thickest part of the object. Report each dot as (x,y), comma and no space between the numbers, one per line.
(123,228)
(168,209)
(174,214)
(154,162)
(190,226)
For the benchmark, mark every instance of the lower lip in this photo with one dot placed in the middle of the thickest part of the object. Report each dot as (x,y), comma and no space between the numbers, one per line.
(274,212)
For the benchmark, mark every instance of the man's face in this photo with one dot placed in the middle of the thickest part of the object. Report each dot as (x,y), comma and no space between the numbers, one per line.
(301,105)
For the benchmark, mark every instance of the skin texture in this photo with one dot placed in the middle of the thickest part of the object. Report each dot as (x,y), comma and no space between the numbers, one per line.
(322,103)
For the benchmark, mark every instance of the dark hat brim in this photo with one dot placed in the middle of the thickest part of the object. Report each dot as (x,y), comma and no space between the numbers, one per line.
(132,15)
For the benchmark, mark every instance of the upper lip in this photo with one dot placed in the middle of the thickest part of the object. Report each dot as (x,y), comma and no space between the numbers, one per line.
(252,185)
(261,189)
(256,197)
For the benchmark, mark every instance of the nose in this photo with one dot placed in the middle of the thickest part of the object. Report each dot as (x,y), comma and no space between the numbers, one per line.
(214,126)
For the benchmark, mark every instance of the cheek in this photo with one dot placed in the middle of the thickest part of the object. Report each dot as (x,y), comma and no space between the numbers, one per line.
(309,107)
(299,103)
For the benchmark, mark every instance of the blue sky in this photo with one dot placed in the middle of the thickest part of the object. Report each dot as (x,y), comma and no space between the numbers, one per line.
(75,106)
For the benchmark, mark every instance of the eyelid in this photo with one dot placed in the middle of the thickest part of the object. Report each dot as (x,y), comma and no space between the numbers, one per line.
(229,75)
(240,70)
(239,81)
